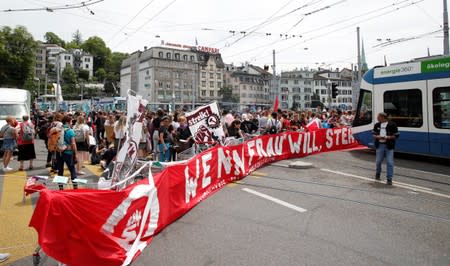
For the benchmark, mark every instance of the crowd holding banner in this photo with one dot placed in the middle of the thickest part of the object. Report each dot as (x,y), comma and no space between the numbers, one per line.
(112,227)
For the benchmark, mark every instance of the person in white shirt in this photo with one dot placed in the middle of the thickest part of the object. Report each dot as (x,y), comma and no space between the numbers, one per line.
(273,124)
(119,132)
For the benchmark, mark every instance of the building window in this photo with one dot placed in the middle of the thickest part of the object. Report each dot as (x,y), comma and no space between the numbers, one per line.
(211,75)
(211,93)
(168,85)
(404,107)
(219,76)
(161,54)
(204,75)
(185,57)
(296,81)
(441,107)
(219,85)
(211,84)
(192,58)
(168,55)
(203,83)
(323,91)
(87,59)
(160,84)
(307,90)
(177,56)
(87,66)
(284,97)
(203,92)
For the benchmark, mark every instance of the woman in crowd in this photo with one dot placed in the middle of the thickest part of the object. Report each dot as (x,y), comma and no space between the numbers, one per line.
(164,140)
(26,142)
(109,129)
(119,132)
(184,135)
(82,140)
(142,149)
(9,134)
(235,130)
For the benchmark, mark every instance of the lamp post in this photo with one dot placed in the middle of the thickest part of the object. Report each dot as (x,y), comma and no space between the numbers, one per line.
(329,94)
(39,86)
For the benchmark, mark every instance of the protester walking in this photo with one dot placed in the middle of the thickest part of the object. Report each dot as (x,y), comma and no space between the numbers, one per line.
(385,132)
(67,153)
(119,132)
(164,140)
(25,142)
(81,131)
(9,134)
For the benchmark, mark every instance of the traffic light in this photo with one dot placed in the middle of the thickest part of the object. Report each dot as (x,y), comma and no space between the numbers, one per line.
(334,90)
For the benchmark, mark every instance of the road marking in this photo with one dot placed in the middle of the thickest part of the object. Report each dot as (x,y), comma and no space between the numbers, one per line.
(397,184)
(277,201)
(15,235)
(424,172)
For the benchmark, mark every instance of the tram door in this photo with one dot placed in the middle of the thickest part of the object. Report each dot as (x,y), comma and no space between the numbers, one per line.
(406,105)
(439,117)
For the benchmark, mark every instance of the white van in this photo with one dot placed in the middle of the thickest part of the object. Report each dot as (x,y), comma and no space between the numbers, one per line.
(15,103)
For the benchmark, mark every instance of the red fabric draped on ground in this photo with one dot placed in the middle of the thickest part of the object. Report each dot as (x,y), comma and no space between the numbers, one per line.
(92,227)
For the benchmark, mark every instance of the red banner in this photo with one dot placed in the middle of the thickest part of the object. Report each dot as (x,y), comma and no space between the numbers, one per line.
(93,227)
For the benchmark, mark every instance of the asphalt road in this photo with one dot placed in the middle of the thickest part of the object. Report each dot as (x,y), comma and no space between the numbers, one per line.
(331,214)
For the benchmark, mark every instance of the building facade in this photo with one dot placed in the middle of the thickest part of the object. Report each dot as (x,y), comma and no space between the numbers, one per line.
(296,89)
(166,74)
(251,84)
(323,81)
(48,54)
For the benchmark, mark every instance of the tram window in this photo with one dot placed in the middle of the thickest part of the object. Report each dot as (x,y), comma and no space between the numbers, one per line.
(364,111)
(441,107)
(404,107)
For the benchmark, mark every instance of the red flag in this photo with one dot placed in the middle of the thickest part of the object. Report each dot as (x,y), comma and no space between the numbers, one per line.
(276,104)
(313,125)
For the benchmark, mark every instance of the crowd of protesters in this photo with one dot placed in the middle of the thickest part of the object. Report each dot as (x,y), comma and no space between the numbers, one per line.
(96,137)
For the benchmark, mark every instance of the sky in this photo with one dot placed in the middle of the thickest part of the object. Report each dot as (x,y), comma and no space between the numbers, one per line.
(315,33)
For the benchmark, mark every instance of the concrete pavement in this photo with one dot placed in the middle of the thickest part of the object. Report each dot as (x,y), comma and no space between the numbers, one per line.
(348,219)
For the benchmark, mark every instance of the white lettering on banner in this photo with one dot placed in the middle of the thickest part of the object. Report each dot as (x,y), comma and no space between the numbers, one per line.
(269,148)
(238,163)
(206,180)
(344,136)
(295,146)
(329,135)
(224,160)
(259,148)
(191,183)
(251,152)
(279,144)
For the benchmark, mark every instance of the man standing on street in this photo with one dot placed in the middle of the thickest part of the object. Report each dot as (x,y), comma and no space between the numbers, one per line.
(385,133)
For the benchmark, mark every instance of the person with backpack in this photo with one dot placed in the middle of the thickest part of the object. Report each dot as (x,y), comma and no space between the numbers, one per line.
(9,134)
(25,142)
(53,134)
(81,131)
(43,135)
(67,150)
(273,125)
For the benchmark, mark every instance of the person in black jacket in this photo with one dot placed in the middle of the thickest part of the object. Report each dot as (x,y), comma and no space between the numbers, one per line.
(385,133)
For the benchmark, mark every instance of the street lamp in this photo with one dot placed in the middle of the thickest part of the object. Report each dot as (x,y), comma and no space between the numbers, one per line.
(329,93)
(39,86)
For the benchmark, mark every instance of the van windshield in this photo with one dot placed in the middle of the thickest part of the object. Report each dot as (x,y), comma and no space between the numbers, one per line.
(14,110)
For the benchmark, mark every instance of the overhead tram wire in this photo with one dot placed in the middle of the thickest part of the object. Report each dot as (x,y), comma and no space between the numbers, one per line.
(131,20)
(345,27)
(55,8)
(273,19)
(394,5)
(322,27)
(146,22)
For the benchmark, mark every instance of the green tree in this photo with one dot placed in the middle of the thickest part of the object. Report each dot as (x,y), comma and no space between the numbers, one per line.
(97,48)
(227,94)
(114,63)
(17,56)
(52,38)
(83,74)
(100,74)
(77,38)
(69,79)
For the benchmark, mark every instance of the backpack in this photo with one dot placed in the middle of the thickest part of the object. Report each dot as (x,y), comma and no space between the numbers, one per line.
(56,141)
(27,132)
(273,127)
(79,135)
(43,132)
